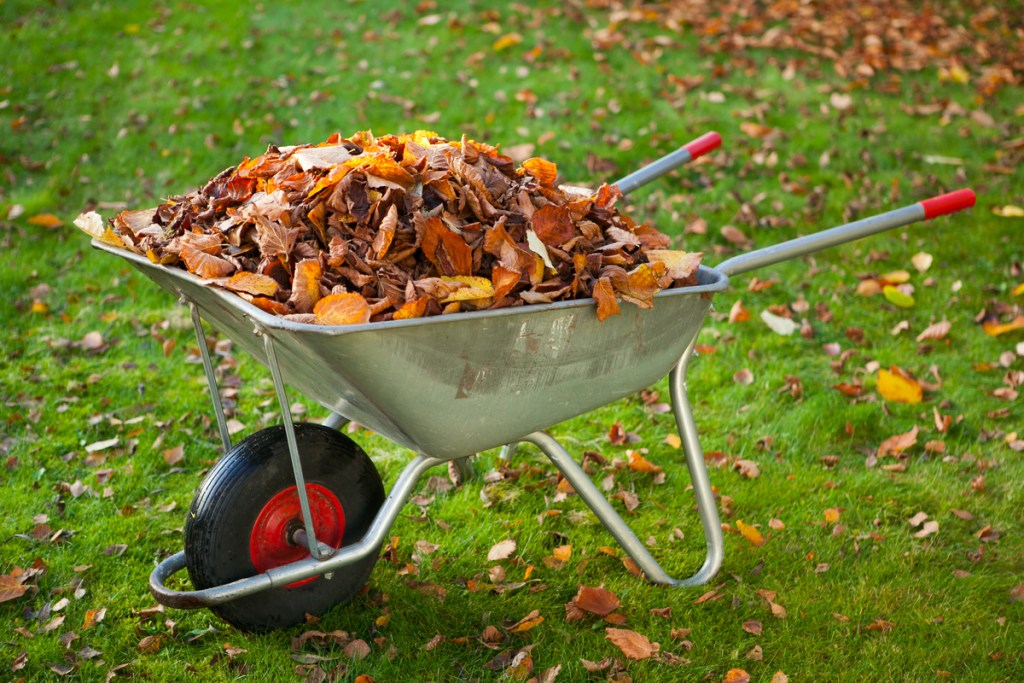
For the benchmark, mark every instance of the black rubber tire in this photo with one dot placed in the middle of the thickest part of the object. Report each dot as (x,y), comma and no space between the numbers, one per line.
(229,500)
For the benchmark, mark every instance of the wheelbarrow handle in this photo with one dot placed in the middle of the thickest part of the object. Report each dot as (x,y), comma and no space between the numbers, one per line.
(923,210)
(685,154)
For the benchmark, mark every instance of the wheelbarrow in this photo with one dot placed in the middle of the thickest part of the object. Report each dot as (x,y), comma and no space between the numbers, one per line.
(291,519)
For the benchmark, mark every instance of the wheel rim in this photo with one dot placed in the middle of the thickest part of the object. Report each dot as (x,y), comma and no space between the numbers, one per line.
(271,541)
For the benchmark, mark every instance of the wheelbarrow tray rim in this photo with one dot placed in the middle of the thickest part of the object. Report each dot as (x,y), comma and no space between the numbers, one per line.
(715,281)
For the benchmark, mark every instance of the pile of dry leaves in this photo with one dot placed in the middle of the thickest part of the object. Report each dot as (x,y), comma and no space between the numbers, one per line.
(369,229)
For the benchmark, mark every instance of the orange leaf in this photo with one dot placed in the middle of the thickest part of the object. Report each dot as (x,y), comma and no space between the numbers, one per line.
(642,285)
(543,170)
(995,329)
(632,644)
(412,309)
(673,440)
(252,283)
(895,445)
(736,676)
(46,220)
(446,249)
(562,552)
(639,463)
(738,313)
(526,623)
(604,295)
(386,232)
(832,515)
(342,309)
(504,280)
(750,533)
(306,285)
(898,388)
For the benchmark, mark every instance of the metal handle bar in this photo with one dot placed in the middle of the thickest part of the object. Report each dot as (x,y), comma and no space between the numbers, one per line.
(923,210)
(685,154)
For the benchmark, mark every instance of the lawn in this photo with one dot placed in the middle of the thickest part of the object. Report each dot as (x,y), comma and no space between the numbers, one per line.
(845,558)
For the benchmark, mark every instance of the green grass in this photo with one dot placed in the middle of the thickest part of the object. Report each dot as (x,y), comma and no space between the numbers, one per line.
(198,86)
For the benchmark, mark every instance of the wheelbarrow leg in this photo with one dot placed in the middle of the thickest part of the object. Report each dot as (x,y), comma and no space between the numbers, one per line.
(618,528)
(698,472)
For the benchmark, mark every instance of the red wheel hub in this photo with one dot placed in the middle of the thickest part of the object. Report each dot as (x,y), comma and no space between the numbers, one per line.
(271,542)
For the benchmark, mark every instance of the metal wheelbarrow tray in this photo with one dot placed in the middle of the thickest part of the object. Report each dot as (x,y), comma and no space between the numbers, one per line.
(534,366)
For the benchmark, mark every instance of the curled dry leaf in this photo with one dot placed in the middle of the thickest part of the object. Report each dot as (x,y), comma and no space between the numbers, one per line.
(895,445)
(634,645)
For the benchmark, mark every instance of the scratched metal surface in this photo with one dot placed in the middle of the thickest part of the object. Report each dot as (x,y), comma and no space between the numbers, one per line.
(454,385)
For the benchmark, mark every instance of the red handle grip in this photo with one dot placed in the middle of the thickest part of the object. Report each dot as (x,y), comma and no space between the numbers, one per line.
(948,203)
(704,144)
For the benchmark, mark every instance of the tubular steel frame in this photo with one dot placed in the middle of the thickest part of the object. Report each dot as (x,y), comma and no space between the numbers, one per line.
(325,560)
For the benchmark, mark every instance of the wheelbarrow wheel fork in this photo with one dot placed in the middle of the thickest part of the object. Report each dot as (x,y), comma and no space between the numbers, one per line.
(244,522)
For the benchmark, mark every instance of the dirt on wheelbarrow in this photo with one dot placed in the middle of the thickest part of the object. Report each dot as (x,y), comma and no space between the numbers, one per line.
(366,229)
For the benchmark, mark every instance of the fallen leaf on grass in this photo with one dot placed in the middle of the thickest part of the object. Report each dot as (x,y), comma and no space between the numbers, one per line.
(930,527)
(1017,593)
(769,597)
(935,331)
(46,220)
(634,645)
(11,587)
(750,533)
(897,297)
(880,625)
(736,676)
(753,627)
(639,463)
(1007,211)
(596,600)
(894,385)
(895,445)
(995,329)
(748,469)
(502,550)
(778,324)
(528,622)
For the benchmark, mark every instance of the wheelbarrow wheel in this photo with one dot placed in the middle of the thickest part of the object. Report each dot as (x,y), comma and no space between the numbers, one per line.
(244,517)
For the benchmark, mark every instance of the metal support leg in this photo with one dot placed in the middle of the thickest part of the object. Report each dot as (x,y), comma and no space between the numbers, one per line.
(211,379)
(601,507)
(614,522)
(335,421)
(706,506)
(293,446)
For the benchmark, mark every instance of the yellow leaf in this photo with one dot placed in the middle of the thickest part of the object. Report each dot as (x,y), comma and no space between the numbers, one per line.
(750,533)
(342,309)
(476,288)
(673,440)
(1008,211)
(897,388)
(896,277)
(1019,289)
(832,515)
(896,297)
(506,41)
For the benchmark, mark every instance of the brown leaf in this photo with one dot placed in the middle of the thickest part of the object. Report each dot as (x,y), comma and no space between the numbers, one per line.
(11,587)
(553,224)
(206,266)
(174,456)
(753,627)
(543,170)
(895,445)
(150,645)
(633,644)
(935,331)
(639,463)
(604,295)
(596,600)
(748,469)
